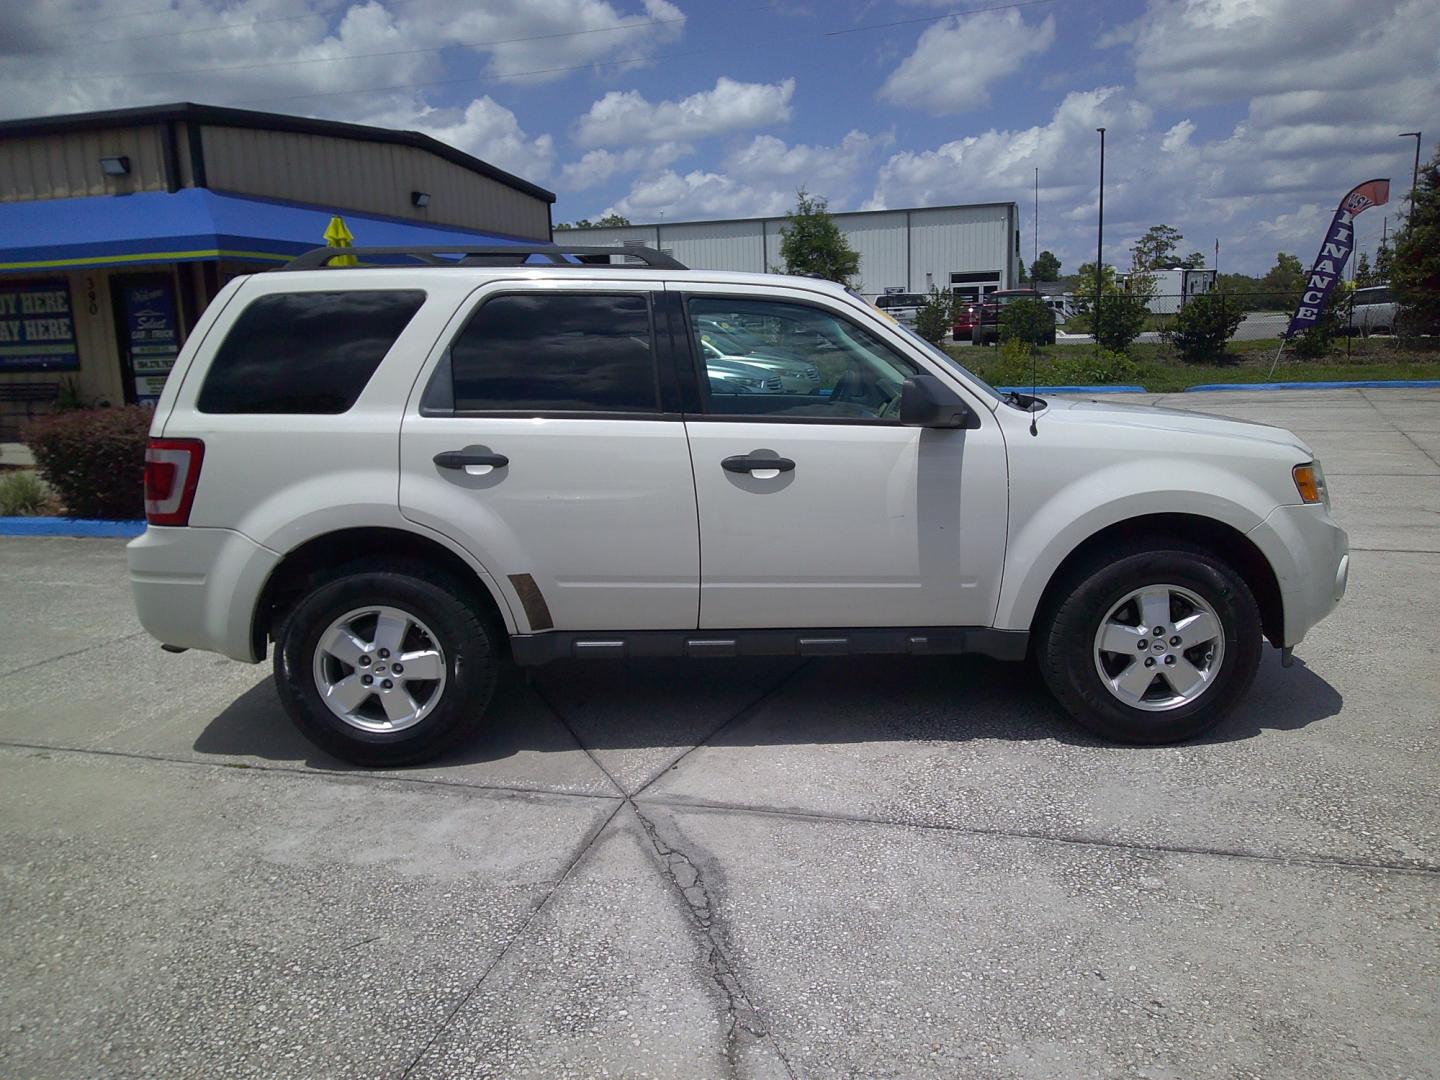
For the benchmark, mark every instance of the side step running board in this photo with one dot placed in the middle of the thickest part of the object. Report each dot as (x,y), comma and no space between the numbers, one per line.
(532,650)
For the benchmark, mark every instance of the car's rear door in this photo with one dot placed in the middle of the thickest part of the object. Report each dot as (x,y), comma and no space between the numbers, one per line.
(542,438)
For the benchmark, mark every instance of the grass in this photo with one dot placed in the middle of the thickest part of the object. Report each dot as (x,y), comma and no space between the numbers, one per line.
(1159,370)
(23,494)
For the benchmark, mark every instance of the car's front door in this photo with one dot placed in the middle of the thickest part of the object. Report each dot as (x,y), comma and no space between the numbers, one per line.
(542,441)
(862,522)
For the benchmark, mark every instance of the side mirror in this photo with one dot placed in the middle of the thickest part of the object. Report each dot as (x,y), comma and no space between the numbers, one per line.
(925,401)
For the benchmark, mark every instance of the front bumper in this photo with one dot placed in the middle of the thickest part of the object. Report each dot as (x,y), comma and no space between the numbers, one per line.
(197,587)
(1310,555)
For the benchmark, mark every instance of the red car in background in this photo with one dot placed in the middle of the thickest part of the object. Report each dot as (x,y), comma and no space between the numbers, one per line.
(964,320)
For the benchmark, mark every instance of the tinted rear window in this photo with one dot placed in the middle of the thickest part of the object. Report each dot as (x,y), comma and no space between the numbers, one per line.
(564,352)
(307,352)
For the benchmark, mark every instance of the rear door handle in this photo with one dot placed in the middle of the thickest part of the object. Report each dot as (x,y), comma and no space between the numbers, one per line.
(474,462)
(762,468)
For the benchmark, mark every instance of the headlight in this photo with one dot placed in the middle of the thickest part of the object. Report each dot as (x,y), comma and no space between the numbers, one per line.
(1310,482)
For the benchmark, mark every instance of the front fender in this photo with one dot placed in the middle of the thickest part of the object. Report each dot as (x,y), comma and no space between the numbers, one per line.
(1044,531)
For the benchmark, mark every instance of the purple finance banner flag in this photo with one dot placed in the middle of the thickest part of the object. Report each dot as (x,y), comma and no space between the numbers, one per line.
(1335,253)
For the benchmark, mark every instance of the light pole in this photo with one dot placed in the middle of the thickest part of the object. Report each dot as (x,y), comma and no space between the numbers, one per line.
(1415,173)
(1036,225)
(1099,241)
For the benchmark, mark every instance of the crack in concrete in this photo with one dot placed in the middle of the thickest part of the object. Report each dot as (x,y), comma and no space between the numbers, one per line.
(745,1027)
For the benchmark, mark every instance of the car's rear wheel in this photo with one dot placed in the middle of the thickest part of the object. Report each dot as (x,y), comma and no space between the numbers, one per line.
(386,665)
(1151,646)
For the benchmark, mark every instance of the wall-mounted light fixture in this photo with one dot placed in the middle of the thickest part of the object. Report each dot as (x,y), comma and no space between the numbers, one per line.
(420,199)
(115,166)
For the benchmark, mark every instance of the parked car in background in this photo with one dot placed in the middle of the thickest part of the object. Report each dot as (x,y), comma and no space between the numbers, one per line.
(987,319)
(964,320)
(740,346)
(733,377)
(901,306)
(1373,311)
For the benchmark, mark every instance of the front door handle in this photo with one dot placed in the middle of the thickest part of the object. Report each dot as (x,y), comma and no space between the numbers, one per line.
(762,468)
(475,462)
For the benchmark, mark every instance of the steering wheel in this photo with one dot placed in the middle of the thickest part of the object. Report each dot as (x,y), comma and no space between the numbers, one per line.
(891,407)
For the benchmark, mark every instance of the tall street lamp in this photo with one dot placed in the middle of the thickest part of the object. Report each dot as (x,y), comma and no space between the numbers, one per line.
(1099,240)
(1415,173)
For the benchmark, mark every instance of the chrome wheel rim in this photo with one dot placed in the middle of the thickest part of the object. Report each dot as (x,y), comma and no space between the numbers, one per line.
(1159,648)
(379,669)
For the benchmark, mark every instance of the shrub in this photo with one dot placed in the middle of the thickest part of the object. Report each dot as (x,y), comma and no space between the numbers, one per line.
(1314,343)
(1012,366)
(22,493)
(1026,319)
(935,319)
(94,459)
(1123,316)
(1203,326)
(1084,367)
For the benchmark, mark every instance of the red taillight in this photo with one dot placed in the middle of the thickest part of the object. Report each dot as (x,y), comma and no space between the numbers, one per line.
(172,471)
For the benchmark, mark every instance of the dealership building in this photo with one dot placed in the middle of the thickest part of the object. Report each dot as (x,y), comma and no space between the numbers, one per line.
(117,228)
(968,249)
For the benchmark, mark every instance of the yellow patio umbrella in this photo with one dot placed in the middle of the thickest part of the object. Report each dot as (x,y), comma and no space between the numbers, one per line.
(337,235)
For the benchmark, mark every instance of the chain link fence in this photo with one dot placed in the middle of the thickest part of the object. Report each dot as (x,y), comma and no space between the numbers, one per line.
(1264,315)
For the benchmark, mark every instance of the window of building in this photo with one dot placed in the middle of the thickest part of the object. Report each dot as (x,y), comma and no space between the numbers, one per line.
(305,352)
(776,359)
(557,352)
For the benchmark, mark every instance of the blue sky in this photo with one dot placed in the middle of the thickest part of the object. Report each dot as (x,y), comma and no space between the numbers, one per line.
(1237,120)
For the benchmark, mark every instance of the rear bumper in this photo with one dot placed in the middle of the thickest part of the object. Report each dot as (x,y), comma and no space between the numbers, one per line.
(1310,555)
(197,588)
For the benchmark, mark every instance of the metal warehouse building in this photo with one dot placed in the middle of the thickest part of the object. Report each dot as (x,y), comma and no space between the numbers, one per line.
(969,249)
(117,228)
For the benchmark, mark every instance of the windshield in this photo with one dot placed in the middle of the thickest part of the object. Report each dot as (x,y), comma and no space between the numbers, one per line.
(941,354)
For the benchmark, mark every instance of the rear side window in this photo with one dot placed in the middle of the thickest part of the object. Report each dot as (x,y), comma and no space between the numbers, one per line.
(307,352)
(557,352)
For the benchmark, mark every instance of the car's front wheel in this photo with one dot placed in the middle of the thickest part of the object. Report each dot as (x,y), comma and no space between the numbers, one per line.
(1153,645)
(386,665)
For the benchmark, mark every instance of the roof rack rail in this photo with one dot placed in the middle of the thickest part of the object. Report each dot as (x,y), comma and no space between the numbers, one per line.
(492,255)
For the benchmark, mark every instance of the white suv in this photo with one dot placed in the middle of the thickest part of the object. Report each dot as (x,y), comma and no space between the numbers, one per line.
(406,476)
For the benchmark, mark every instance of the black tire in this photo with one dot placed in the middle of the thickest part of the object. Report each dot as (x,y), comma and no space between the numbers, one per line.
(469,641)
(1066,641)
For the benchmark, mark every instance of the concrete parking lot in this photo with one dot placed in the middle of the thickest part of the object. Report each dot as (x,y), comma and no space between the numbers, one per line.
(835,867)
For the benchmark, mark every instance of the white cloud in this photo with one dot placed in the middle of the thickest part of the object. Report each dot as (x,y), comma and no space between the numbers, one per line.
(956,61)
(597,166)
(698,194)
(1210,51)
(1177,136)
(490,132)
(824,170)
(625,117)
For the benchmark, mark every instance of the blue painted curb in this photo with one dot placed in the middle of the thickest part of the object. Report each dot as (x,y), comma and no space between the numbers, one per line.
(1107,389)
(1362,384)
(56,526)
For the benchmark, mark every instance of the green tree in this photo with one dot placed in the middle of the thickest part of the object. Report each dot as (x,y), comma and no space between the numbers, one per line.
(935,319)
(606,221)
(1023,279)
(1156,249)
(1364,276)
(1384,263)
(1415,276)
(1194,261)
(1122,313)
(1028,320)
(1203,326)
(1286,277)
(1046,267)
(811,242)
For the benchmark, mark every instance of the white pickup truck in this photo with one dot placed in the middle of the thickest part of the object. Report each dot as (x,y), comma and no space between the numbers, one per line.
(407,473)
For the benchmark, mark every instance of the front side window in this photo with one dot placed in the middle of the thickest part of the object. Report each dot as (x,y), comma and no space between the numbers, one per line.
(771,358)
(305,352)
(557,352)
